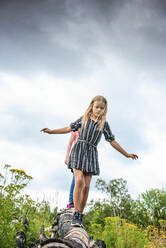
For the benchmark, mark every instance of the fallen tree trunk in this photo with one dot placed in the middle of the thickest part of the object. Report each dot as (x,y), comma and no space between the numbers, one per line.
(66,236)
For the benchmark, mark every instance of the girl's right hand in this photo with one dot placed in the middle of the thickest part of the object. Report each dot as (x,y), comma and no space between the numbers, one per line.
(46,130)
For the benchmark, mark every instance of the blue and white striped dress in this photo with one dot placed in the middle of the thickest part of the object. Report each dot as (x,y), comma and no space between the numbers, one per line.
(84,155)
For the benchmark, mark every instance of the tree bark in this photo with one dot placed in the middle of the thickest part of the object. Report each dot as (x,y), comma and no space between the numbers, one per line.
(66,236)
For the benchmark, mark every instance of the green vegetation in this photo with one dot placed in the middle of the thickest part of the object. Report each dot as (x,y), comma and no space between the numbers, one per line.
(124,223)
(118,219)
(15,207)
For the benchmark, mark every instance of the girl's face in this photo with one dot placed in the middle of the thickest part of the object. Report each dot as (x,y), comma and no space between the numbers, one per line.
(98,108)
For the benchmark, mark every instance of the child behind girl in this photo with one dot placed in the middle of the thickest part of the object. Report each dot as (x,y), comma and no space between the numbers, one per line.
(73,140)
(84,155)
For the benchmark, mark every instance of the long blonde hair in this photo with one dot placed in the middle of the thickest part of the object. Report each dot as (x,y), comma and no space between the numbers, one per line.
(88,112)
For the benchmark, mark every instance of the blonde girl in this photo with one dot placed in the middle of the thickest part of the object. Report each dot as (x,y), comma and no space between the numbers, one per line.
(84,156)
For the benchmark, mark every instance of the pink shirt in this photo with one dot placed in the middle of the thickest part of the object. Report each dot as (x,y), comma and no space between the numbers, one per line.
(75,134)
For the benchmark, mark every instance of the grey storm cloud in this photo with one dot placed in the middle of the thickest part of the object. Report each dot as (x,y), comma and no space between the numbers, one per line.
(59,36)
(67,38)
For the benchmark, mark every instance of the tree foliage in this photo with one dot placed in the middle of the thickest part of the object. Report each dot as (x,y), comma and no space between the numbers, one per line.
(148,209)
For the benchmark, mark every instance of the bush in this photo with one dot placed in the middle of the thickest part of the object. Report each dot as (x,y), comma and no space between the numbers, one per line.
(117,233)
(15,207)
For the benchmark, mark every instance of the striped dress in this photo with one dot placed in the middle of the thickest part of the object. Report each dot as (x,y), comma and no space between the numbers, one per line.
(84,155)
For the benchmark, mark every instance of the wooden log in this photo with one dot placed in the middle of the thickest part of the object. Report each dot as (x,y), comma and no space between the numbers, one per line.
(20,239)
(64,222)
(79,236)
(55,243)
(68,236)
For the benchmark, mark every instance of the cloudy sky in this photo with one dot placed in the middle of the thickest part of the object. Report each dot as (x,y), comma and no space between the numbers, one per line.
(55,56)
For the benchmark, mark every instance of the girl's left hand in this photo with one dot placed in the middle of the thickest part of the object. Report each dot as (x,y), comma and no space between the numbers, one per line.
(133,156)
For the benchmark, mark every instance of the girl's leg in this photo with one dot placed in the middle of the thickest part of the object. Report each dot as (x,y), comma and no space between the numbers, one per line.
(71,190)
(79,183)
(85,191)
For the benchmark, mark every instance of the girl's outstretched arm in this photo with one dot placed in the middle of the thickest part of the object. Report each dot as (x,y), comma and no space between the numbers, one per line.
(116,145)
(56,131)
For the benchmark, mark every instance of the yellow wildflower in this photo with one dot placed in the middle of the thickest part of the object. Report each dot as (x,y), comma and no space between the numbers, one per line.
(19,171)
